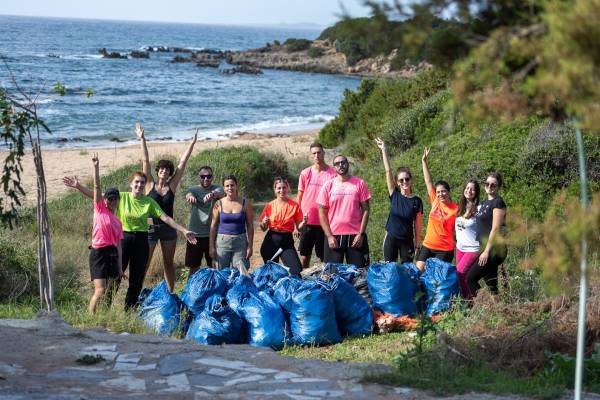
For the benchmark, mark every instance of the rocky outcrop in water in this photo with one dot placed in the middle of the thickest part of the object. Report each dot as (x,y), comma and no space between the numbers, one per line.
(106,54)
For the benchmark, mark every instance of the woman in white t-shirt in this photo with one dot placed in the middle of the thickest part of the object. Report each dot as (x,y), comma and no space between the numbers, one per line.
(467,245)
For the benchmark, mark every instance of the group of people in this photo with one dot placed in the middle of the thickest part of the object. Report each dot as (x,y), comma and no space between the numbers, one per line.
(330,217)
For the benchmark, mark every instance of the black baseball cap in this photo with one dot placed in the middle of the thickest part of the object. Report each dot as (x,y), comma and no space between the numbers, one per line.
(111,192)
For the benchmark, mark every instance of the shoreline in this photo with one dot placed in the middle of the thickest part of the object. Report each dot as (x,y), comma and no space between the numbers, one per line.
(60,162)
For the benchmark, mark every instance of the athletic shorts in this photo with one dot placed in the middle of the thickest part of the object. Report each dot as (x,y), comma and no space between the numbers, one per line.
(161,232)
(104,263)
(195,252)
(426,253)
(312,236)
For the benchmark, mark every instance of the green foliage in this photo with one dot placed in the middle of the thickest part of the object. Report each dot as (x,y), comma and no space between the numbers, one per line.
(292,45)
(444,46)
(315,52)
(60,89)
(18,268)
(334,132)
(401,132)
(365,113)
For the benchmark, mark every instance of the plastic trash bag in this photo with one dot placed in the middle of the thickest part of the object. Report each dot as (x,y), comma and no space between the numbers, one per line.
(200,286)
(440,281)
(217,324)
(355,276)
(268,275)
(352,312)
(312,317)
(160,310)
(240,285)
(283,290)
(266,321)
(394,287)
(230,274)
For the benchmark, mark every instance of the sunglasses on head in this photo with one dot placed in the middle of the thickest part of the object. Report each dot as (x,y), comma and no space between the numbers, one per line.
(340,163)
(209,176)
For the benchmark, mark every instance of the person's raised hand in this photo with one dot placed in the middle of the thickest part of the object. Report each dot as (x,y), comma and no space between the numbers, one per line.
(71,181)
(95,160)
(425,154)
(195,138)
(380,144)
(190,198)
(139,130)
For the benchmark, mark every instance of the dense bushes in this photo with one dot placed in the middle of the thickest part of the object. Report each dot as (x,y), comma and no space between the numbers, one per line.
(18,269)
(293,45)
(315,52)
(364,113)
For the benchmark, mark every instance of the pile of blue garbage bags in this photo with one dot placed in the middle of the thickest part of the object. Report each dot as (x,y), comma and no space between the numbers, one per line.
(271,308)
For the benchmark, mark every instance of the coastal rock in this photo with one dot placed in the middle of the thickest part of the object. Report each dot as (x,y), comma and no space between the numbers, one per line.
(139,54)
(114,54)
(242,69)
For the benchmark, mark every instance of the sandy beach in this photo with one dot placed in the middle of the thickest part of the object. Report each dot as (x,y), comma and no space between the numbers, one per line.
(61,162)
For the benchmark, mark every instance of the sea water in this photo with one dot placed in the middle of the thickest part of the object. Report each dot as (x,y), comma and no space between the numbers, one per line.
(169,99)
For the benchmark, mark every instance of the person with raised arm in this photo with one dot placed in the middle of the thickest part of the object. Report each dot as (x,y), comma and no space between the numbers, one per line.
(107,232)
(344,215)
(202,197)
(403,227)
(162,190)
(310,183)
(232,229)
(490,221)
(439,235)
(133,211)
(280,217)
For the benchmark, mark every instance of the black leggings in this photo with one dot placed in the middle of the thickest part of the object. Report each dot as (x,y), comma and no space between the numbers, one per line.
(358,257)
(274,241)
(135,254)
(489,272)
(392,246)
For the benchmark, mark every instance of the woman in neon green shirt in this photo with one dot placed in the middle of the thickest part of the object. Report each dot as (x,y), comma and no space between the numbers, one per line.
(134,210)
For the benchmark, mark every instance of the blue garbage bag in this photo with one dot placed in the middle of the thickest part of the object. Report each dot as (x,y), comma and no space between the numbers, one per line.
(266,321)
(240,286)
(200,286)
(394,287)
(160,310)
(268,275)
(217,324)
(441,284)
(230,274)
(283,290)
(312,317)
(348,272)
(352,312)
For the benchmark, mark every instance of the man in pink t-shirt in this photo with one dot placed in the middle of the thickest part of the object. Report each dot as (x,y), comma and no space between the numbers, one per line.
(344,214)
(311,181)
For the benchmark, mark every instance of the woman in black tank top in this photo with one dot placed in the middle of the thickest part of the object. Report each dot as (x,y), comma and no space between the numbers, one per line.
(162,189)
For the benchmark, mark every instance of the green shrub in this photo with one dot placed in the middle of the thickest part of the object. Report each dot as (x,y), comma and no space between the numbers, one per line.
(18,268)
(334,132)
(444,46)
(315,52)
(292,45)
(400,132)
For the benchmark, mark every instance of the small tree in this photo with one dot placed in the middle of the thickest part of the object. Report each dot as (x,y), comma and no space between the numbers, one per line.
(20,123)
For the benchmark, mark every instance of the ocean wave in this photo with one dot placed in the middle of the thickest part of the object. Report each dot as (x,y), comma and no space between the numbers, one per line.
(284,124)
(82,56)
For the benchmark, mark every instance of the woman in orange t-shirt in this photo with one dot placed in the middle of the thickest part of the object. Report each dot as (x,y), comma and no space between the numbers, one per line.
(439,236)
(280,216)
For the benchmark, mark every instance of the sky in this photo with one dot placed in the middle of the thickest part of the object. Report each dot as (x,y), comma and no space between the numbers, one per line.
(228,12)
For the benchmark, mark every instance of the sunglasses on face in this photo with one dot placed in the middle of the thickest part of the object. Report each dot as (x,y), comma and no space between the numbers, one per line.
(206,176)
(112,198)
(403,180)
(340,163)
(490,184)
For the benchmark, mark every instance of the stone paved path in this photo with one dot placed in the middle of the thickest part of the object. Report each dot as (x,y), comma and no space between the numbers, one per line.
(38,361)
